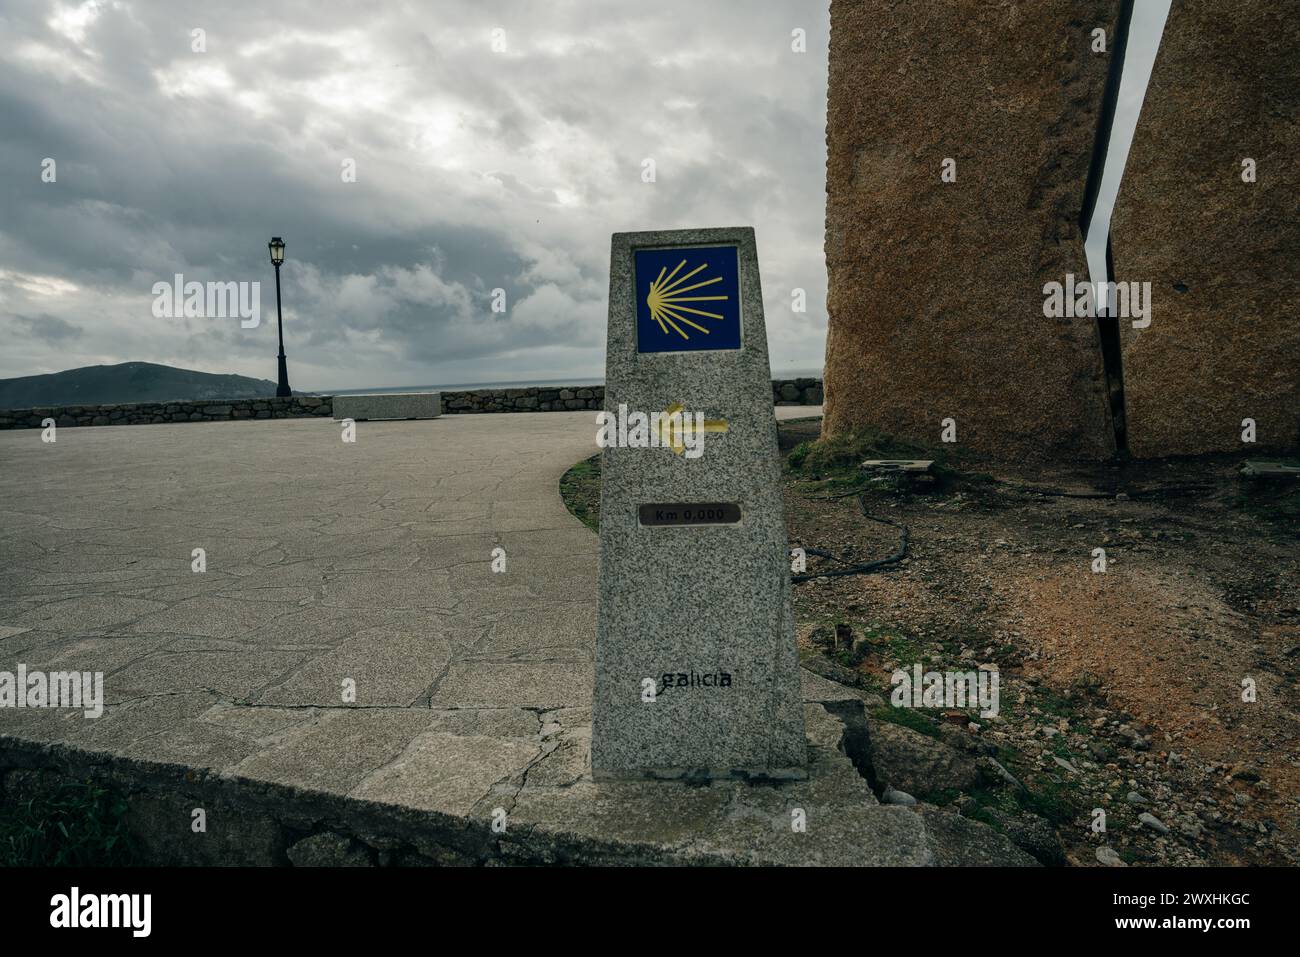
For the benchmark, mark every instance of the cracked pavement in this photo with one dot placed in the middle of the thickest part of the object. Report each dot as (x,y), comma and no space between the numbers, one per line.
(371,563)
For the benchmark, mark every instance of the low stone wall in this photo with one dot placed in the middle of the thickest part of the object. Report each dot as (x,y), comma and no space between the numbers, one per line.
(533,399)
(797,391)
(568,398)
(265,824)
(144,413)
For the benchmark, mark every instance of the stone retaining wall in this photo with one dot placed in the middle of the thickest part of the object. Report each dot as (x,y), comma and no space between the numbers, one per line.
(532,399)
(797,391)
(265,824)
(566,398)
(144,413)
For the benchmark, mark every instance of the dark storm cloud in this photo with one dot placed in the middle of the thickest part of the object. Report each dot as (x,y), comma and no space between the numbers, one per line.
(48,329)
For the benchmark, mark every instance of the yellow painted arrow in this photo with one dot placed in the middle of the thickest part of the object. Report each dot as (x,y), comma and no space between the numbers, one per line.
(672,436)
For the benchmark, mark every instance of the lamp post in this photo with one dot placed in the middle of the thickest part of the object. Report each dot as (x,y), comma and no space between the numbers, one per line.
(276,245)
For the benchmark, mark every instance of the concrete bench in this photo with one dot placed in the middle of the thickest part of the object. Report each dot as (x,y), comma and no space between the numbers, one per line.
(388,405)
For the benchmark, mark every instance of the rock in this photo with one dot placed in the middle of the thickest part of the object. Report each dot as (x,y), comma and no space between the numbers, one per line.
(1100,751)
(995,770)
(328,850)
(957,841)
(1019,119)
(1108,857)
(1153,822)
(833,671)
(1223,344)
(860,649)
(966,740)
(1134,798)
(1033,835)
(918,764)
(160,820)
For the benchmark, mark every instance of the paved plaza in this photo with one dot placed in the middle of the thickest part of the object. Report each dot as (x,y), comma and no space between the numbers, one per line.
(368,565)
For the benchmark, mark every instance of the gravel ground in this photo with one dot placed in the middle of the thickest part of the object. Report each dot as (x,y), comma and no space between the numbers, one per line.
(1119,690)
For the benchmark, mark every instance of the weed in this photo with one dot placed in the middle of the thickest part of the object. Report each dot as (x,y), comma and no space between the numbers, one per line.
(75,825)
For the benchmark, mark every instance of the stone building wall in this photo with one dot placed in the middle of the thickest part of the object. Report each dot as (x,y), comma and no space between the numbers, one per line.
(936,289)
(1222,255)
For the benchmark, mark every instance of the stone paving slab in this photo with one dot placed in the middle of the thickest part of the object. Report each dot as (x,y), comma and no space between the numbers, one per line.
(369,563)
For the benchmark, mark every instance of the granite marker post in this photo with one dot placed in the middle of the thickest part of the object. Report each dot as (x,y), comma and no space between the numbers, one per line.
(696,670)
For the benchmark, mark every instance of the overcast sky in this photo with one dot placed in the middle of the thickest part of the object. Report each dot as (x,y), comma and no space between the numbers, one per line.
(475,170)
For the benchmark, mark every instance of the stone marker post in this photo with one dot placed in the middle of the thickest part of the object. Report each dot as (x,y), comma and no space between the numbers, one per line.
(696,671)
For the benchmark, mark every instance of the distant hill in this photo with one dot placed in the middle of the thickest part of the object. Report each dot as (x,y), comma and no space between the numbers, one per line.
(126,382)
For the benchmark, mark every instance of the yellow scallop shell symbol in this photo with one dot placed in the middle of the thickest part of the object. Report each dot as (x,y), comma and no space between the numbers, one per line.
(667,297)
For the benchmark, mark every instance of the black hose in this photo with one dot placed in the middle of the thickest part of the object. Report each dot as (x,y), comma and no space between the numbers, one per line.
(857,568)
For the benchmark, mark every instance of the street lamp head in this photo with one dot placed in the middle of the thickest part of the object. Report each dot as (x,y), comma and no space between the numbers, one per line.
(276,245)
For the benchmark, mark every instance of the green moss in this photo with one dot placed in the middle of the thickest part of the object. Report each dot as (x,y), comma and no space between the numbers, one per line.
(842,454)
(580,491)
(1061,751)
(795,460)
(939,798)
(984,816)
(902,648)
(844,658)
(1050,801)
(907,718)
(1054,704)
(1056,802)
